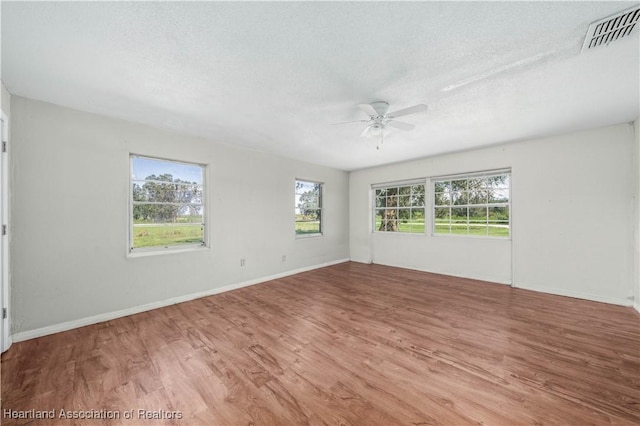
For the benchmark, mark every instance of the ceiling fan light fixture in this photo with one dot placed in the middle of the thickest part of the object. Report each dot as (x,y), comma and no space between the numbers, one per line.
(379,117)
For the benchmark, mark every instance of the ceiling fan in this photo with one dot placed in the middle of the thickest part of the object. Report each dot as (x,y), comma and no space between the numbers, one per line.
(380,118)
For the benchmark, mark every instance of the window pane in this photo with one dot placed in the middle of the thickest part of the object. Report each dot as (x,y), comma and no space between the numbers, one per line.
(404,224)
(475,229)
(477,196)
(389,225)
(498,181)
(499,229)
(307,227)
(417,195)
(479,205)
(459,213)
(191,213)
(442,186)
(401,210)
(478,221)
(442,214)
(478,214)
(499,196)
(442,198)
(164,170)
(389,221)
(459,197)
(417,215)
(458,227)
(459,185)
(166,235)
(308,207)
(167,193)
(478,183)
(498,213)
(442,220)
(417,220)
(378,219)
(305,187)
(459,222)
(168,202)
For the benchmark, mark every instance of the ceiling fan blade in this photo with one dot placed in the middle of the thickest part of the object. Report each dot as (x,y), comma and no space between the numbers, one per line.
(368,109)
(411,110)
(400,125)
(350,122)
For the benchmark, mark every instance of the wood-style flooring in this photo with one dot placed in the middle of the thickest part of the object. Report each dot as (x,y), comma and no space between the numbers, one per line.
(347,344)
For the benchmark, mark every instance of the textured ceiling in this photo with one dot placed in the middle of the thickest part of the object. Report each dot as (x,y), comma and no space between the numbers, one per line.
(274,76)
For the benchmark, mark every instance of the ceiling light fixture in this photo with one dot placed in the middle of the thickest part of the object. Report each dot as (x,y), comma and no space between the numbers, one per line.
(380,117)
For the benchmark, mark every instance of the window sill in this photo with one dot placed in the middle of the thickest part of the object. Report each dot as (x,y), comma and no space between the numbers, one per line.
(160,251)
(418,234)
(473,237)
(307,236)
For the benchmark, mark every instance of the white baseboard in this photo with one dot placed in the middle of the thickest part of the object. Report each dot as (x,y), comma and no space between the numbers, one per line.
(575,294)
(69,325)
(636,306)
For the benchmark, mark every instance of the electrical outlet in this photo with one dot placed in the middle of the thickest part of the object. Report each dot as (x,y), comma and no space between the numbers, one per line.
(242,261)
(284,257)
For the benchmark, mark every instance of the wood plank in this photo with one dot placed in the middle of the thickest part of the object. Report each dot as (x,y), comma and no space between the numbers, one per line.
(348,344)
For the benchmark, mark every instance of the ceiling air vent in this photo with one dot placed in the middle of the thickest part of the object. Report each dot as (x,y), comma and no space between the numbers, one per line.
(612,28)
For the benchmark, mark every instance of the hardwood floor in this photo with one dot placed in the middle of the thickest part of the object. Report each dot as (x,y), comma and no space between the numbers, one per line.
(348,344)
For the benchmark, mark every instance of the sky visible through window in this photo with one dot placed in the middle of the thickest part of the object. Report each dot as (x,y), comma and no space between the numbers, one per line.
(144,167)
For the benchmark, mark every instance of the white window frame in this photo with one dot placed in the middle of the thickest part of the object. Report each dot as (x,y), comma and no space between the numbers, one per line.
(320,207)
(153,250)
(471,175)
(398,184)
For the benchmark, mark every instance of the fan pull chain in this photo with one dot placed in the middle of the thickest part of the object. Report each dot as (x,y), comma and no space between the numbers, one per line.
(380,140)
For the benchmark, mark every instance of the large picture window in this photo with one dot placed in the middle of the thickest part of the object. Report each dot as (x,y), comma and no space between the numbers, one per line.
(473,204)
(308,208)
(167,204)
(399,207)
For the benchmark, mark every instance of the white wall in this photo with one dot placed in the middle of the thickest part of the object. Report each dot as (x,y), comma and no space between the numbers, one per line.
(571,221)
(636,253)
(70,175)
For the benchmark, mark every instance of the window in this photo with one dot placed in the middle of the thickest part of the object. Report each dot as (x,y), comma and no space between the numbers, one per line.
(167,204)
(308,208)
(399,207)
(473,204)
